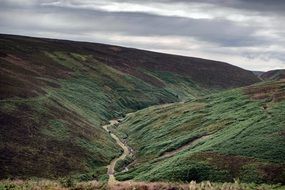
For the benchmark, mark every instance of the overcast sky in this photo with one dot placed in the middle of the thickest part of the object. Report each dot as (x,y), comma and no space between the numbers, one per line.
(246,33)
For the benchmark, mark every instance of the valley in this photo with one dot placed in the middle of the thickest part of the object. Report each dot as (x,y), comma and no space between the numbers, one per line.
(97,114)
(126,152)
(210,137)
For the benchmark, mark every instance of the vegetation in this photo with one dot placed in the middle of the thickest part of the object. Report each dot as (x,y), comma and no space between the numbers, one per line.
(55,95)
(55,185)
(122,164)
(227,135)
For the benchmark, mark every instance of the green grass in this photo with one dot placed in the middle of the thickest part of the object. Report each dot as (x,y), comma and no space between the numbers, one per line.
(51,134)
(55,95)
(56,129)
(245,140)
(61,127)
(121,164)
(183,87)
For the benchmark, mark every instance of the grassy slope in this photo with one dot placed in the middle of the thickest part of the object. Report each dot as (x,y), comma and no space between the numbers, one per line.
(68,120)
(246,128)
(56,94)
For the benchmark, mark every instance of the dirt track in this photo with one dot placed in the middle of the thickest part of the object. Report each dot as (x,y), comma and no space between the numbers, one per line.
(111,166)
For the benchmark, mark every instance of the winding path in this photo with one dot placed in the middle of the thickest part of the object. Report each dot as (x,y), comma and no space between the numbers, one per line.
(111,166)
(126,151)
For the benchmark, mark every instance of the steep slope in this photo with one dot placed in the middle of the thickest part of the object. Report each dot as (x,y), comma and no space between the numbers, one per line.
(55,94)
(233,134)
(274,75)
(258,74)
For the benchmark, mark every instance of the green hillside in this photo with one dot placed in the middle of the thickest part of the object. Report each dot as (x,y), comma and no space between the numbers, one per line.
(61,125)
(55,95)
(234,134)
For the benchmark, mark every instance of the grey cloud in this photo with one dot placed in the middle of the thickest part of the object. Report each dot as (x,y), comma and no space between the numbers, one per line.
(39,17)
(218,31)
(256,5)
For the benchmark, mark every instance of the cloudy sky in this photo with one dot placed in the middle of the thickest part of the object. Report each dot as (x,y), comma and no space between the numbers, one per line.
(246,33)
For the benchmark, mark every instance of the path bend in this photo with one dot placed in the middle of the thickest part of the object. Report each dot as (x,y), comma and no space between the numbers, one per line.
(111,167)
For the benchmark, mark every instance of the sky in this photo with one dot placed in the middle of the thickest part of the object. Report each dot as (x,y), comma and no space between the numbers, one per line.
(246,33)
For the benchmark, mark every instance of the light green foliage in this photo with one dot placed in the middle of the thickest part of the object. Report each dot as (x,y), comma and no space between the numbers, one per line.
(183,87)
(56,129)
(231,126)
(65,118)
(70,60)
(122,164)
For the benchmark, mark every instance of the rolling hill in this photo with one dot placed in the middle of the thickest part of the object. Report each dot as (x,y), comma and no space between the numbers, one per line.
(55,95)
(234,134)
(273,75)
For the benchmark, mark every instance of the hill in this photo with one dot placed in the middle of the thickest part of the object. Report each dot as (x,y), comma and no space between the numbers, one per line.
(234,134)
(274,75)
(258,73)
(56,94)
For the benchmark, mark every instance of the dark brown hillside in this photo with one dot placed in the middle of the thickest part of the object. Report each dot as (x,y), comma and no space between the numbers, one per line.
(274,75)
(207,73)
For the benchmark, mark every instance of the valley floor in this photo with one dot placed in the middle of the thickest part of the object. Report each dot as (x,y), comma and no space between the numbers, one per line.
(126,152)
(93,185)
(236,134)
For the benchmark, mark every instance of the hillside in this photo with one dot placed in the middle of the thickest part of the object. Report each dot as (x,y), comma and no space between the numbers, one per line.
(273,75)
(258,73)
(224,136)
(56,94)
